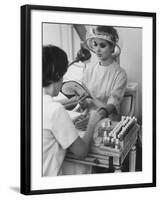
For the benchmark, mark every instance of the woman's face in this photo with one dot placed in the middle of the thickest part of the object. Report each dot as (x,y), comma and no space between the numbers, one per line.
(102,48)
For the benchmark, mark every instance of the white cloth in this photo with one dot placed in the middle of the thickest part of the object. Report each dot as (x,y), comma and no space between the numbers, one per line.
(58,134)
(107,84)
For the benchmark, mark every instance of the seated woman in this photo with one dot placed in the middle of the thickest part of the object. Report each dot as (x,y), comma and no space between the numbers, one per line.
(59,133)
(105,79)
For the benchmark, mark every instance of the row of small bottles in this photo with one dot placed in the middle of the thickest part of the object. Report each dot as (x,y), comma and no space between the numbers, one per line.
(113,137)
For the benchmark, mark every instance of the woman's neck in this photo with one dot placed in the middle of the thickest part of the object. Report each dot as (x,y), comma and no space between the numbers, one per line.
(106,62)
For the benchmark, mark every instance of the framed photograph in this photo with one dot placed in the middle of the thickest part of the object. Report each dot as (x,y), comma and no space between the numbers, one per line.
(88,99)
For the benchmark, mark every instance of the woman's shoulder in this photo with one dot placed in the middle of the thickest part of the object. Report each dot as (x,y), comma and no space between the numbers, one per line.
(91,64)
(89,67)
(54,107)
(119,69)
(57,106)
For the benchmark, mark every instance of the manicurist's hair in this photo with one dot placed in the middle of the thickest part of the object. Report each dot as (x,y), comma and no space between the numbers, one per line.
(54,64)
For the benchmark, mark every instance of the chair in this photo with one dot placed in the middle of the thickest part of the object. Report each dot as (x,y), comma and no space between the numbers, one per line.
(128,104)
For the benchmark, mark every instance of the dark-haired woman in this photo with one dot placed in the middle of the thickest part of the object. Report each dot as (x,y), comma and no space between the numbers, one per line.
(59,133)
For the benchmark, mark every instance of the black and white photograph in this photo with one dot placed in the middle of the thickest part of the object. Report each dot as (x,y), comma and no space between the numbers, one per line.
(97,101)
(89,99)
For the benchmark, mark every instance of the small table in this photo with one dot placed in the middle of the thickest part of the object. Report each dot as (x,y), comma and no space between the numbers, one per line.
(103,156)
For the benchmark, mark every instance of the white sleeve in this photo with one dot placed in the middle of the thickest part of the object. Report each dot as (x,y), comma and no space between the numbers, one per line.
(118,90)
(63,128)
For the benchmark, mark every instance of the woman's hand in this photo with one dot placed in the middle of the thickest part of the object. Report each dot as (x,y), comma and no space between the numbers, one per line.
(84,104)
(102,112)
(83,101)
(81,122)
(87,103)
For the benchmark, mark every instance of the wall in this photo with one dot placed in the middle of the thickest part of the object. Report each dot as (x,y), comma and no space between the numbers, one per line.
(59,35)
(131,59)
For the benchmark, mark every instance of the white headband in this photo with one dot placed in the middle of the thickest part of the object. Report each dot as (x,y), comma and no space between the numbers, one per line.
(103,36)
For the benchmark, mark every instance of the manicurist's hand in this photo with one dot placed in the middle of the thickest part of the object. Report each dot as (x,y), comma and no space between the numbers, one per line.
(94,117)
(81,122)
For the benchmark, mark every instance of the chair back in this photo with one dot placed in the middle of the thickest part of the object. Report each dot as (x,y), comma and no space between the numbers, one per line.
(128,104)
